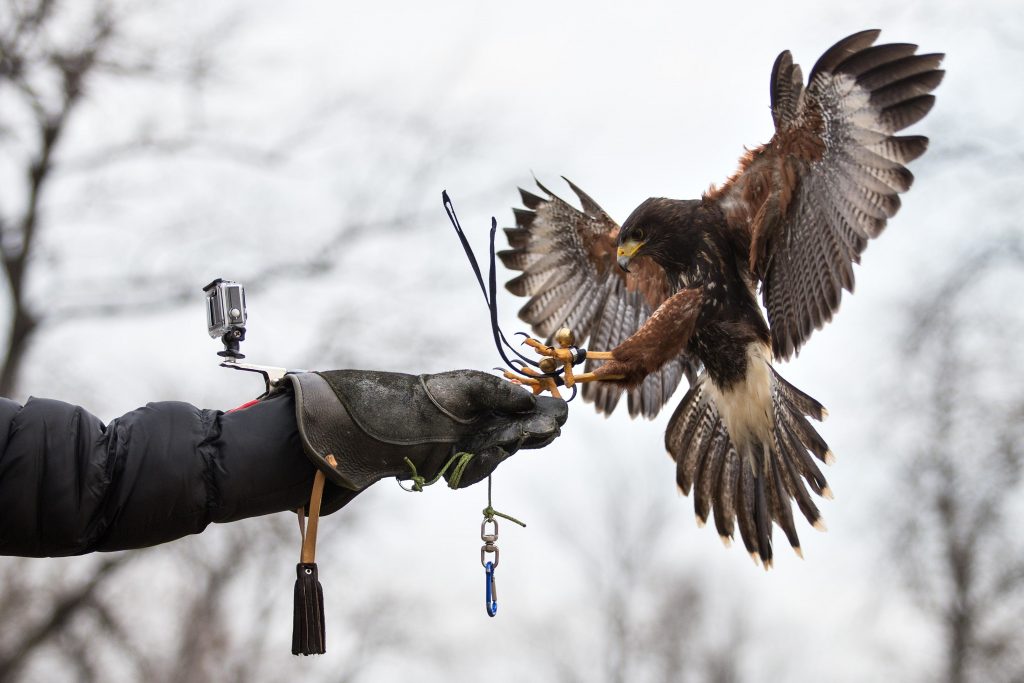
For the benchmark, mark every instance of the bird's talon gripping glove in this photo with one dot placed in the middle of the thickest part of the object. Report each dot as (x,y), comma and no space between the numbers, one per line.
(372,422)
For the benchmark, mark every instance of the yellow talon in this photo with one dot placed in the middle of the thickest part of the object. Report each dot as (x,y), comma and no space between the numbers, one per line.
(552,357)
(528,377)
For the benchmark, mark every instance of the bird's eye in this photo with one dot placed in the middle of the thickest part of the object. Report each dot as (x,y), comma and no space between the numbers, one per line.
(638,235)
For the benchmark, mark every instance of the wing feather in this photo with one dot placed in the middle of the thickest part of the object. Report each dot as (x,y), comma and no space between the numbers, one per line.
(844,170)
(567,261)
(875,56)
(892,72)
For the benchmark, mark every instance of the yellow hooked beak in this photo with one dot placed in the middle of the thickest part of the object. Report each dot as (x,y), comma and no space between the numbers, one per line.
(626,251)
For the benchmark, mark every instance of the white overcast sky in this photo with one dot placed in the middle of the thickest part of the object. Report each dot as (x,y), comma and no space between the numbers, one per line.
(629,100)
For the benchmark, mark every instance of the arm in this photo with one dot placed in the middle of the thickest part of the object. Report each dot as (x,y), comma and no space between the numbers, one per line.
(70,485)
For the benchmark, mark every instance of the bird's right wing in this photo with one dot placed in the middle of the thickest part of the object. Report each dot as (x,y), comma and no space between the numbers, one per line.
(830,178)
(567,258)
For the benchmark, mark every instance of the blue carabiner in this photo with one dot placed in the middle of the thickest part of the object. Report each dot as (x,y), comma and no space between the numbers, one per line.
(491,590)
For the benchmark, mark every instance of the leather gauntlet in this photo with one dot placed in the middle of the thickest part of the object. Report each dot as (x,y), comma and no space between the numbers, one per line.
(371,422)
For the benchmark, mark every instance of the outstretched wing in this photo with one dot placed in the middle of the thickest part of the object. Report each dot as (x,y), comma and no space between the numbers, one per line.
(830,177)
(567,259)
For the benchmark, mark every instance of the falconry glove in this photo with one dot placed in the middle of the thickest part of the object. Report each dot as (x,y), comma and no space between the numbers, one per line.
(375,423)
(359,426)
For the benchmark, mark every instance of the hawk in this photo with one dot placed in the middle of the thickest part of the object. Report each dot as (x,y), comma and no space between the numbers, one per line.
(673,291)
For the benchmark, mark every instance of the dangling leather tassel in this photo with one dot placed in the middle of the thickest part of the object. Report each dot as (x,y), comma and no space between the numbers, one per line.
(308,627)
(308,631)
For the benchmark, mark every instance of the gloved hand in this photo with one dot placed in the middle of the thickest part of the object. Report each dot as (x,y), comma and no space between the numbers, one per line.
(371,422)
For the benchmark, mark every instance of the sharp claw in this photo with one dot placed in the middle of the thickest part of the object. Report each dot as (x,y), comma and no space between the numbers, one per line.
(547,381)
(518,379)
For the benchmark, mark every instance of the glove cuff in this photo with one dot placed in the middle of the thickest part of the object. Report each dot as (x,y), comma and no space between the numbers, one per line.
(326,428)
(347,414)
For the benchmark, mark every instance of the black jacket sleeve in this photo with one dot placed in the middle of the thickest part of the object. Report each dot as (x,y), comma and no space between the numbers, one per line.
(70,485)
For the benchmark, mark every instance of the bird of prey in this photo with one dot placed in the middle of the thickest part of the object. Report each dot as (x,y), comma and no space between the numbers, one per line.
(673,291)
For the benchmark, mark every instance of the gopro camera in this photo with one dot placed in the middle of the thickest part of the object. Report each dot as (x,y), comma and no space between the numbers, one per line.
(225,315)
(225,319)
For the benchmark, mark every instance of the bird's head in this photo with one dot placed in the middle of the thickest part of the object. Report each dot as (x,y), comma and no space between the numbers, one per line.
(653,229)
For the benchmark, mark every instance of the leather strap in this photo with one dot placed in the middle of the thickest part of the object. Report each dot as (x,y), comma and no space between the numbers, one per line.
(308,553)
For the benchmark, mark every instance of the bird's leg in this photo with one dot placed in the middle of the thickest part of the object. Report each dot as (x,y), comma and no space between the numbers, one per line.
(568,355)
(595,377)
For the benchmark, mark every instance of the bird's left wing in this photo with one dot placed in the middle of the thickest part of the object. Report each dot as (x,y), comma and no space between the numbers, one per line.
(568,261)
(830,177)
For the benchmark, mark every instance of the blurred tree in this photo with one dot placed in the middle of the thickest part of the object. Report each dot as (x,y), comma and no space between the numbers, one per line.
(48,78)
(648,619)
(81,617)
(45,74)
(960,489)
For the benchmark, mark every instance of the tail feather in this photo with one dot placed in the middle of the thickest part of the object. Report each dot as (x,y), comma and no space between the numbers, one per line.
(801,401)
(782,511)
(708,473)
(724,502)
(798,492)
(746,508)
(808,436)
(752,485)
(689,426)
(790,416)
(788,444)
(762,517)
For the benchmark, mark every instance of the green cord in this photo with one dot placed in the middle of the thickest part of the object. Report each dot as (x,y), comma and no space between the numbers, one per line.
(419,481)
(461,461)
(460,468)
(491,513)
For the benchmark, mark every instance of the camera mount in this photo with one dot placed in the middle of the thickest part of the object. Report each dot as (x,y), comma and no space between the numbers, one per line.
(225,319)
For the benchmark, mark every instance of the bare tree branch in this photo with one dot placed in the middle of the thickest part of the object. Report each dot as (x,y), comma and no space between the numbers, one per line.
(955,547)
(64,608)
